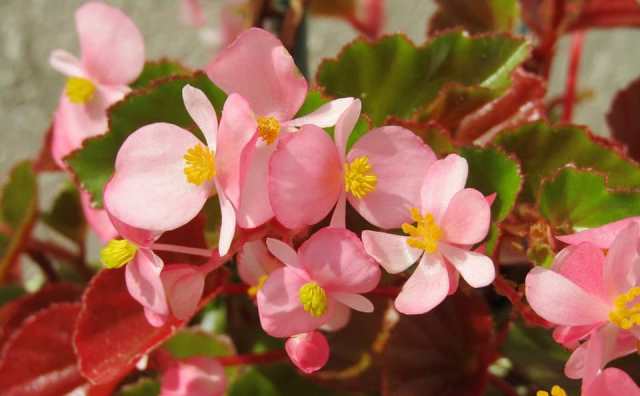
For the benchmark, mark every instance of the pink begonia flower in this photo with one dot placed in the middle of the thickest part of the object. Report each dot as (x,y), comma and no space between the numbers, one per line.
(164,174)
(195,376)
(612,382)
(255,264)
(380,176)
(593,298)
(98,219)
(602,236)
(325,277)
(309,351)
(258,67)
(112,51)
(448,220)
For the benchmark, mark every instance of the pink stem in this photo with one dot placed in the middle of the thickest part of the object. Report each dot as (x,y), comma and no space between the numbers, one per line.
(577,43)
(182,249)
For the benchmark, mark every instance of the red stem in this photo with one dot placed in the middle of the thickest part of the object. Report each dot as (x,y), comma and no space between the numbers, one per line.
(258,358)
(577,43)
(234,288)
(502,385)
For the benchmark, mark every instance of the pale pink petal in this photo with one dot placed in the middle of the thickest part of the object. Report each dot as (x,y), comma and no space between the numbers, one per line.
(258,67)
(399,159)
(183,285)
(339,215)
(233,20)
(98,219)
(443,179)
(561,301)
(427,287)
(602,236)
(149,189)
(583,265)
(202,113)
(620,266)
(467,219)
(228,223)
(309,352)
(140,237)
(574,367)
(142,276)
(344,126)
(283,252)
(599,346)
(255,207)
(476,269)
(391,251)
(325,116)
(194,376)
(66,63)
(354,301)
(111,44)
(254,261)
(154,319)
(612,382)
(280,309)
(307,158)
(336,259)
(339,318)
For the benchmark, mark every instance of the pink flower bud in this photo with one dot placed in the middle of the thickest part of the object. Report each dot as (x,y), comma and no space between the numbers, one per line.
(308,351)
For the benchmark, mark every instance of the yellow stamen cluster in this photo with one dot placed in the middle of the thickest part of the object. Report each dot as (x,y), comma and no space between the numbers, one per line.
(199,165)
(268,129)
(117,253)
(313,299)
(359,178)
(79,90)
(623,315)
(425,234)
(253,290)
(555,391)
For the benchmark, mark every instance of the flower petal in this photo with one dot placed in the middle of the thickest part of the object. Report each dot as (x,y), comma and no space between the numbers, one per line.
(111,44)
(399,159)
(561,301)
(307,158)
(283,252)
(138,236)
(476,269)
(228,223)
(467,219)
(344,126)
(154,319)
(258,67)
(391,251)
(202,113)
(336,259)
(183,285)
(149,189)
(427,287)
(620,266)
(339,318)
(583,265)
(255,207)
(443,179)
(98,219)
(612,382)
(339,215)
(255,261)
(309,351)
(602,236)
(194,376)
(325,116)
(66,63)
(142,276)
(354,301)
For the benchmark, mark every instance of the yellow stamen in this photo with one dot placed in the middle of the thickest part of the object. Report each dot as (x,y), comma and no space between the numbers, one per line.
(313,299)
(117,253)
(79,90)
(253,290)
(199,164)
(555,391)
(623,315)
(268,129)
(425,234)
(359,178)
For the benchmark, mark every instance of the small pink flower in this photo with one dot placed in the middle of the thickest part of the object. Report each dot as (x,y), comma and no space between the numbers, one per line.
(319,282)
(195,376)
(112,57)
(368,18)
(255,264)
(592,298)
(380,176)
(448,219)
(164,174)
(308,351)
(258,67)
(612,382)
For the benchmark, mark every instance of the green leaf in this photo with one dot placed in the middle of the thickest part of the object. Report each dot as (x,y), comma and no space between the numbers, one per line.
(543,149)
(187,343)
(253,383)
(576,199)
(393,77)
(475,16)
(66,215)
(143,387)
(155,70)
(161,102)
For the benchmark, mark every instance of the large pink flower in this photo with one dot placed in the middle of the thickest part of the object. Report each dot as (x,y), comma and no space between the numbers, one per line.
(258,67)
(164,174)
(591,297)
(448,220)
(380,176)
(195,376)
(112,57)
(323,279)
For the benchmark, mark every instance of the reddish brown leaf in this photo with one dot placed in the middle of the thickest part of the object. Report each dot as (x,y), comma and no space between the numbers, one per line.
(39,359)
(624,118)
(112,333)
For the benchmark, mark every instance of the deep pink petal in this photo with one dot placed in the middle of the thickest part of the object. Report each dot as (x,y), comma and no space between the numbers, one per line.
(427,287)
(142,276)
(255,207)
(602,236)
(443,179)
(149,189)
(258,67)
(583,265)
(309,351)
(620,266)
(183,285)
(612,382)
(202,113)
(66,63)
(307,158)
(467,219)
(390,250)
(399,159)
(194,376)
(98,219)
(476,269)
(255,261)
(228,223)
(569,336)
(561,301)
(336,259)
(111,44)
(325,116)
(344,126)
(354,301)
(339,215)
(283,252)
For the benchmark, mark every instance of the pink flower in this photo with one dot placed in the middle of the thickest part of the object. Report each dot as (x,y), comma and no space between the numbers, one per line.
(192,13)
(380,176)
(164,174)
(308,351)
(112,56)
(602,236)
(612,382)
(368,18)
(258,67)
(591,297)
(255,264)
(318,283)
(448,220)
(195,376)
